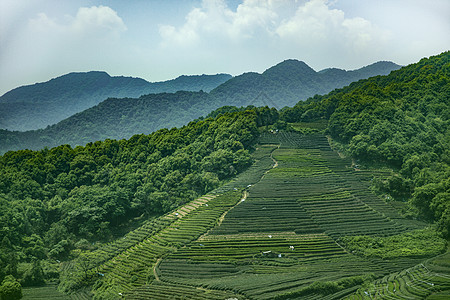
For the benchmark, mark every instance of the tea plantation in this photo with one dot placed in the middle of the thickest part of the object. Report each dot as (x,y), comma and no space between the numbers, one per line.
(287,228)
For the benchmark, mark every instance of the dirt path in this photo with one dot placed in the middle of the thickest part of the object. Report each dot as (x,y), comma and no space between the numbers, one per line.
(155,267)
(244,197)
(276,162)
(222,217)
(225,213)
(274,165)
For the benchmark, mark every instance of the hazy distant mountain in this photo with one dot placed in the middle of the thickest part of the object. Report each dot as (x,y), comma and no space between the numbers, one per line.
(281,85)
(290,81)
(42,104)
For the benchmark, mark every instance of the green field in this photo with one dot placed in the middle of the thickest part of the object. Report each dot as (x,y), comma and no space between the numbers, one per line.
(277,231)
(43,293)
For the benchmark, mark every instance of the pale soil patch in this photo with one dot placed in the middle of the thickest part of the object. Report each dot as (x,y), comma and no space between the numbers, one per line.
(189,207)
(263,235)
(222,217)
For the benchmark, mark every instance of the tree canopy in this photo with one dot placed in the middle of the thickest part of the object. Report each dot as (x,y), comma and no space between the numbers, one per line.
(53,198)
(401,120)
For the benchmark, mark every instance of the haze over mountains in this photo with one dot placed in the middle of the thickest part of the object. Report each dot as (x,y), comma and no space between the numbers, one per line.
(281,85)
(291,81)
(42,104)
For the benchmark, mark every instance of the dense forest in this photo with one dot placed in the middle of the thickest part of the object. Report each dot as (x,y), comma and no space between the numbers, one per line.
(58,200)
(57,203)
(401,120)
(114,118)
(39,105)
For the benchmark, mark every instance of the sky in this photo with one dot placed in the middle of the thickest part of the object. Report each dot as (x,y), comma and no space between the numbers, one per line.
(161,39)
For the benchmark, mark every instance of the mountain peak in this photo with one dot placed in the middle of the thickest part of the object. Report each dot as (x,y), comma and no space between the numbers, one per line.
(379,67)
(290,66)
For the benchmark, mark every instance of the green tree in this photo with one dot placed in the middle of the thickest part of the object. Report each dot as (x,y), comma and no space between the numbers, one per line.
(10,289)
(34,276)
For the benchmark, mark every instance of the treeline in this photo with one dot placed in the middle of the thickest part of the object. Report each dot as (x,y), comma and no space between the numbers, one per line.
(56,200)
(118,118)
(401,120)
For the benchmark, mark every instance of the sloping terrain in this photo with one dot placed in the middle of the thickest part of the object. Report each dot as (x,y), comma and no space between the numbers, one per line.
(283,239)
(42,104)
(301,223)
(290,81)
(114,118)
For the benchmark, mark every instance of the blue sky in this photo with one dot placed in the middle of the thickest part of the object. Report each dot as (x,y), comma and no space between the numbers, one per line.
(159,40)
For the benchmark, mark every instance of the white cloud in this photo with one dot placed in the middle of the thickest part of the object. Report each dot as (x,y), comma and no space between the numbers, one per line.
(88,39)
(214,19)
(294,28)
(89,22)
(315,25)
(100,20)
(49,46)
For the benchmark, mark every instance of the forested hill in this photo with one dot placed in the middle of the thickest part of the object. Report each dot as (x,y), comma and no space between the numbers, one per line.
(283,84)
(290,81)
(308,211)
(36,106)
(114,119)
(51,201)
(402,120)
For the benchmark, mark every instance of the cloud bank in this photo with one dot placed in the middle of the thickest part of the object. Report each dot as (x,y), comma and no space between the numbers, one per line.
(290,28)
(160,40)
(71,43)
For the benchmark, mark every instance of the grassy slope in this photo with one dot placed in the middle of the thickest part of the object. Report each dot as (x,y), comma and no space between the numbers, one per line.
(310,201)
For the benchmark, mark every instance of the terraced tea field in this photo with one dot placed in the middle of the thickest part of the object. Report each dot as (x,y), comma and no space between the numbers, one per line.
(280,238)
(428,280)
(122,267)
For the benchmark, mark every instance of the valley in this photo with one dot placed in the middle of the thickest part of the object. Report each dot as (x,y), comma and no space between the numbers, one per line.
(224,150)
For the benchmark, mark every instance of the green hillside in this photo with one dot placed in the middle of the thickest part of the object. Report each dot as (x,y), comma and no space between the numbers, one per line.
(55,203)
(344,196)
(281,85)
(401,120)
(42,104)
(114,119)
(287,236)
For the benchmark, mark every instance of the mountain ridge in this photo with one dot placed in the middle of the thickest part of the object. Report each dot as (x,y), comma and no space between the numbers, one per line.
(116,118)
(299,220)
(41,104)
(290,81)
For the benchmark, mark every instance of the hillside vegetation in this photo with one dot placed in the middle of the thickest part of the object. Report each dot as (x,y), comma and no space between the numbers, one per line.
(60,200)
(285,237)
(248,204)
(283,84)
(401,120)
(113,119)
(42,104)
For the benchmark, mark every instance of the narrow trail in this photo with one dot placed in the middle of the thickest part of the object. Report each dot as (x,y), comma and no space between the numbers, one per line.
(274,165)
(244,197)
(225,213)
(155,267)
(222,217)
(274,160)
